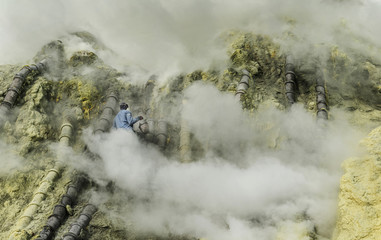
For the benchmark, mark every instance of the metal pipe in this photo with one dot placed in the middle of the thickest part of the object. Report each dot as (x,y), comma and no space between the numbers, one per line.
(290,79)
(33,206)
(60,212)
(162,128)
(43,188)
(108,113)
(81,223)
(243,84)
(321,102)
(16,85)
(66,133)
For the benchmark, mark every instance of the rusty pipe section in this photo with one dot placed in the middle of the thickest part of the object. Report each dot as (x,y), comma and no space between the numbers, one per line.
(44,187)
(161,134)
(60,211)
(81,223)
(321,102)
(109,111)
(16,85)
(290,83)
(243,84)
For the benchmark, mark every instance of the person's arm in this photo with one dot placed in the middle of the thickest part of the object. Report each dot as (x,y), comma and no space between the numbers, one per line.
(131,121)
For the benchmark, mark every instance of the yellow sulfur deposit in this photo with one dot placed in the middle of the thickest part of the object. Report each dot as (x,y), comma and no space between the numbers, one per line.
(359,207)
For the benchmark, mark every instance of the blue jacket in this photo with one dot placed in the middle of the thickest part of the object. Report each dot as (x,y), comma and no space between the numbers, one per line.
(124,120)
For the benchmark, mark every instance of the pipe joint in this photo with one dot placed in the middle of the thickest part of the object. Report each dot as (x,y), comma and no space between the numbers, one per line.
(54,221)
(70,236)
(13,89)
(60,211)
(245,73)
(292,73)
(7,104)
(290,82)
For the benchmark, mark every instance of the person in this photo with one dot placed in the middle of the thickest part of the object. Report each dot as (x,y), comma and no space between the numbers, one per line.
(124,118)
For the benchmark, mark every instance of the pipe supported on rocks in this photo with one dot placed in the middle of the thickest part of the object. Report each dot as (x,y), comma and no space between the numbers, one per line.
(81,223)
(243,84)
(45,185)
(290,79)
(109,111)
(321,102)
(16,85)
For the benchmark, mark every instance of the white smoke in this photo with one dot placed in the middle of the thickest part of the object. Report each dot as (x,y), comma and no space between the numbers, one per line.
(242,188)
(168,37)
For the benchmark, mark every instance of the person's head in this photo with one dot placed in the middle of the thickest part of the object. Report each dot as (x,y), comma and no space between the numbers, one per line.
(123,106)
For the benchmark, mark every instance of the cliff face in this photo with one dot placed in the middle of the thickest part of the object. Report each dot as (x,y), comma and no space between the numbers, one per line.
(198,172)
(359,207)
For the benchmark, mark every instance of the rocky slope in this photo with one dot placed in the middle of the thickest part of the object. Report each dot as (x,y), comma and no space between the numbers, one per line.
(76,87)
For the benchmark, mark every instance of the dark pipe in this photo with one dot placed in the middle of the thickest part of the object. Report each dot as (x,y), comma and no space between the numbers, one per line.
(81,223)
(321,102)
(60,212)
(108,113)
(290,79)
(15,88)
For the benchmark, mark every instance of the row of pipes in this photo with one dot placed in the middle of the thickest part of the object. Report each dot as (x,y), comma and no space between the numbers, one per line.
(60,211)
(42,191)
(243,85)
(15,88)
(150,128)
(291,83)
(68,200)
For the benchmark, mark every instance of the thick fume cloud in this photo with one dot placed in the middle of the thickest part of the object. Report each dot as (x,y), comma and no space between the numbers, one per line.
(168,37)
(246,190)
(259,171)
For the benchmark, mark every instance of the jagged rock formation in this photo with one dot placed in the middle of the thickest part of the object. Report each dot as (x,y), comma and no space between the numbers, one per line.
(78,85)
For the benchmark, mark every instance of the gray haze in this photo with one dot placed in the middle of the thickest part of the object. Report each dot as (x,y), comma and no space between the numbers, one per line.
(170,36)
(9,160)
(243,188)
(246,187)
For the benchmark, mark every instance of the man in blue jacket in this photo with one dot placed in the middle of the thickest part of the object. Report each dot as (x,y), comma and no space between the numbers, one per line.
(124,118)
